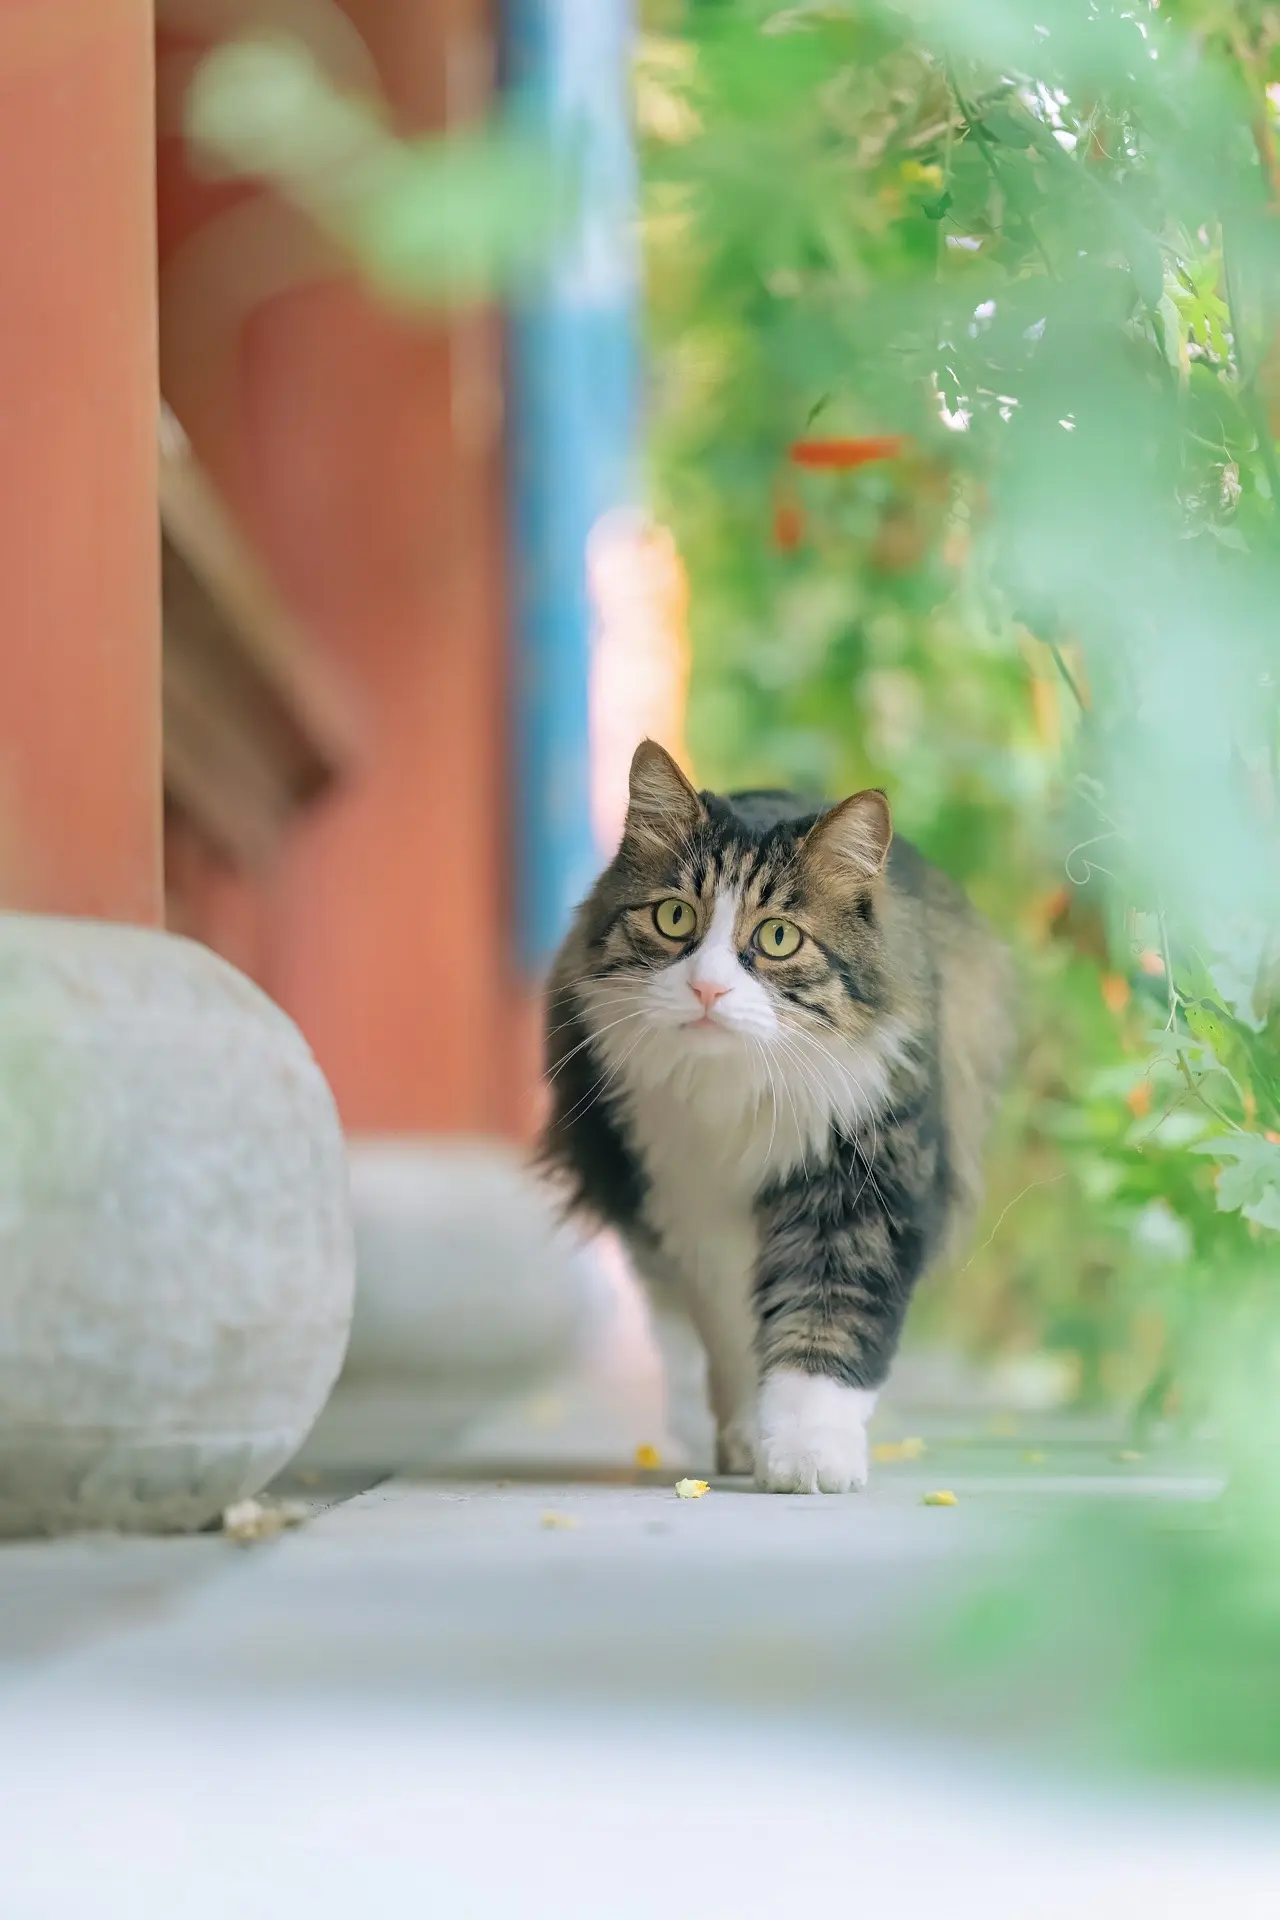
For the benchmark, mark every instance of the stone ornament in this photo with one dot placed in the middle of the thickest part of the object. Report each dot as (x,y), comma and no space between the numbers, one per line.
(176,1260)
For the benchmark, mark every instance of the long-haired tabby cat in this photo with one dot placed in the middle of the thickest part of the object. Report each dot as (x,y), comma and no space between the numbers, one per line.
(774,1043)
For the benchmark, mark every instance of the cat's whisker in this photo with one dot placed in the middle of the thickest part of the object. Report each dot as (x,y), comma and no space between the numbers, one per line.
(584,1104)
(848,1073)
(572,989)
(801,1139)
(592,995)
(773,1100)
(588,989)
(595,1035)
(604,1081)
(619,1000)
(853,1085)
(590,1035)
(853,1081)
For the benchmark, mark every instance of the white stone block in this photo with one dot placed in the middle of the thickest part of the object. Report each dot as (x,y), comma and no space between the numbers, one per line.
(176,1263)
(470,1294)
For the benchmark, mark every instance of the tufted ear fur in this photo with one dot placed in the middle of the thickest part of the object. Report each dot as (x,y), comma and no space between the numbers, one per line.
(852,841)
(662,805)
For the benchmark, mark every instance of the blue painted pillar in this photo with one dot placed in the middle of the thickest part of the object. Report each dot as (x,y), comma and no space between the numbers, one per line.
(572,435)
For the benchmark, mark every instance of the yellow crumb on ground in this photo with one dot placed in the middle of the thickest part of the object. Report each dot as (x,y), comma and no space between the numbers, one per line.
(648,1458)
(691,1489)
(940,1499)
(1128,1455)
(249,1522)
(911,1449)
(561,1522)
(1033,1459)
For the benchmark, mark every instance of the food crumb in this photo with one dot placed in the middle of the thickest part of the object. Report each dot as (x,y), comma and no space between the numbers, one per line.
(692,1489)
(910,1449)
(648,1458)
(1033,1459)
(249,1522)
(942,1498)
(1128,1455)
(564,1522)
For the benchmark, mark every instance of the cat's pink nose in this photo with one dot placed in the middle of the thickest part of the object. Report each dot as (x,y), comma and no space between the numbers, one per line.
(708,993)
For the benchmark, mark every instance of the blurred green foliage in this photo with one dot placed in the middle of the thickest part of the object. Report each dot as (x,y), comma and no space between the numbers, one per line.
(427,222)
(1042,245)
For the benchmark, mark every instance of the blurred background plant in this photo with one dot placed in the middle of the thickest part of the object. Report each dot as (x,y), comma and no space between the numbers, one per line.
(443,221)
(967,330)
(965,325)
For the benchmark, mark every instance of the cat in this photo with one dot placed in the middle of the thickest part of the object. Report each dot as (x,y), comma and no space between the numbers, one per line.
(775,1039)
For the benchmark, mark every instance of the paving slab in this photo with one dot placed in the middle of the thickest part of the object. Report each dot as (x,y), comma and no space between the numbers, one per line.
(579,1696)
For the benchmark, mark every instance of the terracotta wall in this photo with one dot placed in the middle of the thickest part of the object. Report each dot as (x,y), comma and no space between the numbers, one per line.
(79,620)
(363,454)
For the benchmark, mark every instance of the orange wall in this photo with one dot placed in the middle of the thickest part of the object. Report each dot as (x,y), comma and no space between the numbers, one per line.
(79,615)
(388,938)
(363,453)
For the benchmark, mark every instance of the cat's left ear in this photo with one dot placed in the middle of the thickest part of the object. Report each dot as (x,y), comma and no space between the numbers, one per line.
(662,804)
(852,841)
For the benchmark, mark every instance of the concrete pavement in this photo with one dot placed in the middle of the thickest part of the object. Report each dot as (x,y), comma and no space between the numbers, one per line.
(566,1696)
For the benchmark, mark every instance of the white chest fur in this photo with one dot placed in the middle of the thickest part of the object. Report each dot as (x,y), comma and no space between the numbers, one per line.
(716,1125)
(716,1115)
(710,1139)
(705,1158)
(702,1164)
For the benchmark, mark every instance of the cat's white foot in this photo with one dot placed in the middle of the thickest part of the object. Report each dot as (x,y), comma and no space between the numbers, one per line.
(736,1448)
(812,1434)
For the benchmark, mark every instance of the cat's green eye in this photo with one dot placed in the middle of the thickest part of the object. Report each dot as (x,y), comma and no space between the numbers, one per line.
(779,939)
(674,919)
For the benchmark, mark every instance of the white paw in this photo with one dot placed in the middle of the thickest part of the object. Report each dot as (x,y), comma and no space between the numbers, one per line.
(735,1449)
(813,1434)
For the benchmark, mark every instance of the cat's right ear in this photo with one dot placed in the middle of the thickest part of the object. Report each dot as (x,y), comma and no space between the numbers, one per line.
(852,840)
(662,805)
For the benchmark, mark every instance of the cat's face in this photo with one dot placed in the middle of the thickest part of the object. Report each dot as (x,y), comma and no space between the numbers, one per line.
(710,940)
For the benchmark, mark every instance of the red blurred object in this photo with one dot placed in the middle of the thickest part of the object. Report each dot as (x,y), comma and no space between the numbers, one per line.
(842,455)
(788,524)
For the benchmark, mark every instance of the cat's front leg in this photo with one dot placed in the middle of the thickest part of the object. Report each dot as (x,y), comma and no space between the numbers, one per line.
(736,1443)
(733,1380)
(721,1273)
(812,1433)
(840,1249)
(708,1295)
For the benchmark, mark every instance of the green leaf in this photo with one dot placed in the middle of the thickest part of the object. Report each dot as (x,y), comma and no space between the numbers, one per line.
(969,184)
(1251,1169)
(1266,1212)
(1208,1025)
(1171,330)
(1146,263)
(1008,128)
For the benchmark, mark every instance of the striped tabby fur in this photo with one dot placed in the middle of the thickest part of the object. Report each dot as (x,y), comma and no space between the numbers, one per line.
(785,1141)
